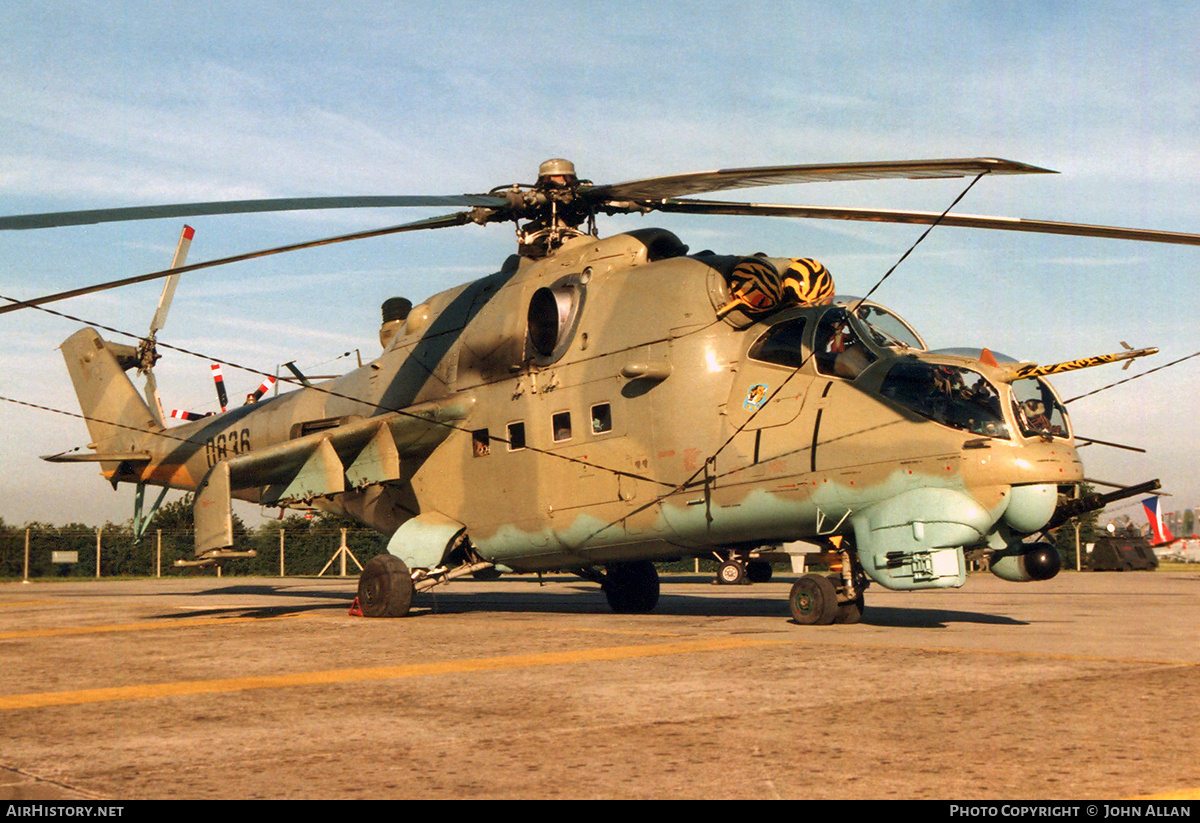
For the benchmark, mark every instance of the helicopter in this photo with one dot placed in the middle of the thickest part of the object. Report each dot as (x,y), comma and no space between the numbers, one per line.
(598,404)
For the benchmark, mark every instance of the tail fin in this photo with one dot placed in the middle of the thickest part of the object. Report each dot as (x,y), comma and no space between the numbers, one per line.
(117,416)
(1158,527)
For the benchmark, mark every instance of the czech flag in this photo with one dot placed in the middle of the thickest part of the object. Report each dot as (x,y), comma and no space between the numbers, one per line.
(1159,529)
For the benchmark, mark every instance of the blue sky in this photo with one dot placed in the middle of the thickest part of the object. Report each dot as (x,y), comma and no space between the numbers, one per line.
(128,103)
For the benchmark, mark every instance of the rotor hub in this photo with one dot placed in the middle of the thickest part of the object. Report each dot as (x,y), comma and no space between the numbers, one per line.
(557,172)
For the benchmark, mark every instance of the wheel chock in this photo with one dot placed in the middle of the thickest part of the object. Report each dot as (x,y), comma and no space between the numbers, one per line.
(355,609)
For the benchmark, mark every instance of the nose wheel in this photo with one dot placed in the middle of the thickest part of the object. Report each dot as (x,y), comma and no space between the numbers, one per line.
(813,600)
(848,611)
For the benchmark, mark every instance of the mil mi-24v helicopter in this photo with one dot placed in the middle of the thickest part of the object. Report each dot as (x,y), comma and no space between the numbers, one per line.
(598,404)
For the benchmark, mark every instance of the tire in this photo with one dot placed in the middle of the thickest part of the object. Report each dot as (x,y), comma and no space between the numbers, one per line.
(813,601)
(759,571)
(631,588)
(731,573)
(385,587)
(850,611)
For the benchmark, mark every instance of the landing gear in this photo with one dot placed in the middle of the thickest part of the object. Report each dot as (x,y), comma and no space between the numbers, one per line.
(631,588)
(732,573)
(848,611)
(737,568)
(813,600)
(385,587)
(758,571)
(819,600)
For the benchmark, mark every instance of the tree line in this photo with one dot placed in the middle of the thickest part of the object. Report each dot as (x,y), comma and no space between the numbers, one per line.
(308,544)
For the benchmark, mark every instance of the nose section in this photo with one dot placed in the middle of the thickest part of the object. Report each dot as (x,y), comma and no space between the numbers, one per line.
(1030,507)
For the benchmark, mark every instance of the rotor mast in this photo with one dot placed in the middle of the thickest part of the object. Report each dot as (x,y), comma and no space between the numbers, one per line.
(553,207)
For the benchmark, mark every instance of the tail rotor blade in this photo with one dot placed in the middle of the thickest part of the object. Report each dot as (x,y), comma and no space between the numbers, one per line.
(219,381)
(168,292)
(152,398)
(263,388)
(147,350)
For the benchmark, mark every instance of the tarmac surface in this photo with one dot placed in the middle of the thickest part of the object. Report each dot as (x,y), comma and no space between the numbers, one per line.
(1084,687)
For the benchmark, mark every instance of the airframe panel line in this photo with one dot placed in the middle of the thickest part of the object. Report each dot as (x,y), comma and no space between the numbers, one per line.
(135,627)
(337,676)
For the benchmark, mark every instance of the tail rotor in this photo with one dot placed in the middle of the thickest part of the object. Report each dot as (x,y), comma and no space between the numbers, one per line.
(147,351)
(219,382)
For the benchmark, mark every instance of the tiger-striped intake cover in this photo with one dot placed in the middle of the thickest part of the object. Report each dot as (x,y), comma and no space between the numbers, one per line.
(756,287)
(807,283)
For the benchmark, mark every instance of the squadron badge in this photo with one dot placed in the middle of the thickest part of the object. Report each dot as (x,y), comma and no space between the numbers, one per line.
(755,397)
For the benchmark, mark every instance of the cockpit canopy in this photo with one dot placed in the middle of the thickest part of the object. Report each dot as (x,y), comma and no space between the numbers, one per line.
(1038,411)
(838,346)
(951,395)
(962,398)
(886,327)
(844,339)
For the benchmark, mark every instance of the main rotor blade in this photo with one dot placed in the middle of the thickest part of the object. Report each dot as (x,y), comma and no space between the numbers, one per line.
(456,219)
(971,221)
(660,188)
(81,218)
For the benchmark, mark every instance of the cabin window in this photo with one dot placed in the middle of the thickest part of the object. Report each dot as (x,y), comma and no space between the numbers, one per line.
(561,425)
(480,443)
(601,418)
(950,395)
(516,436)
(839,350)
(782,344)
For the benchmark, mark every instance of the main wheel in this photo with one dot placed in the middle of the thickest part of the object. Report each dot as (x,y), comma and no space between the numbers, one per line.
(731,573)
(631,588)
(759,571)
(813,600)
(385,587)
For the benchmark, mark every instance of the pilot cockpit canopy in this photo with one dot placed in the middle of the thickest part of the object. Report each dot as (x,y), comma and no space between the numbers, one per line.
(886,327)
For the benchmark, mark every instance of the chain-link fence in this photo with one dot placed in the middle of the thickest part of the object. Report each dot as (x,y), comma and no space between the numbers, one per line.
(290,547)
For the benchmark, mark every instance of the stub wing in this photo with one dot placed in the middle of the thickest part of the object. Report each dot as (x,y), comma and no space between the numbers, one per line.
(325,463)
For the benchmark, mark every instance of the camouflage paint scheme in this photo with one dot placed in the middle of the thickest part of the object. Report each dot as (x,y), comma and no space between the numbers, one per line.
(419,444)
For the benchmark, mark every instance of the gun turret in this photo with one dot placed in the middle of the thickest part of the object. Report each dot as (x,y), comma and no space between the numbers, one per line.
(1095,502)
